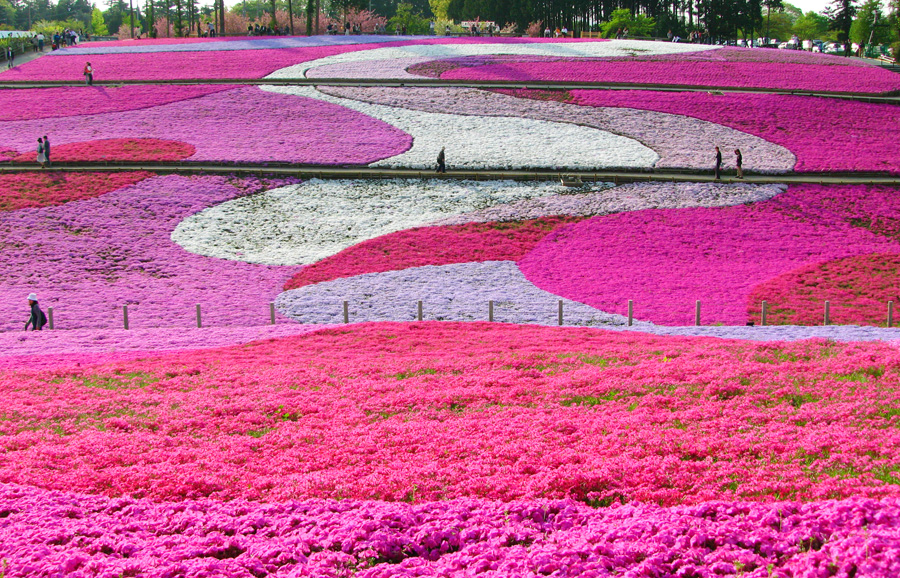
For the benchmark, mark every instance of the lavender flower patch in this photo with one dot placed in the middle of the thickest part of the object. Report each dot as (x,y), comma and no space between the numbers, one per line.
(244,124)
(631,197)
(88,258)
(494,141)
(458,292)
(680,141)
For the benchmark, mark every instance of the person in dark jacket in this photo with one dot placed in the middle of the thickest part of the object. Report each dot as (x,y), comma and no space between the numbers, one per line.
(37,318)
(47,149)
(441,164)
(718,163)
(738,159)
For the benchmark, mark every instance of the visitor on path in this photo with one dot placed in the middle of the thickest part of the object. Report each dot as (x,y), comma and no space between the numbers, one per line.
(718,163)
(441,162)
(37,319)
(88,74)
(41,156)
(40,38)
(47,149)
(10,57)
(739,163)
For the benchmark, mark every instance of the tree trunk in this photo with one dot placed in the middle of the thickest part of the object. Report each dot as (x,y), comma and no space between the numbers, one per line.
(291,15)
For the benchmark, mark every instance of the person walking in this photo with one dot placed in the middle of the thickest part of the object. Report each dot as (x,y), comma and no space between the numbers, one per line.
(739,163)
(441,162)
(41,157)
(40,38)
(718,163)
(10,57)
(37,319)
(89,74)
(47,149)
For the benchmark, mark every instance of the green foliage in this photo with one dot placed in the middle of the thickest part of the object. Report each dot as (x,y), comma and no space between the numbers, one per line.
(637,24)
(49,27)
(414,22)
(870,22)
(811,26)
(98,24)
(439,9)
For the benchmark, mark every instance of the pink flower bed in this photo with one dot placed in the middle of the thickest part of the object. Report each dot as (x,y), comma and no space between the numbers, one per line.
(243,124)
(857,289)
(120,149)
(54,533)
(860,136)
(431,246)
(26,190)
(435,411)
(714,68)
(665,260)
(66,101)
(204,64)
(89,257)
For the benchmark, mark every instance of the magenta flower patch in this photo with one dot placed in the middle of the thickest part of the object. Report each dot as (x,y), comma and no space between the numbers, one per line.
(665,260)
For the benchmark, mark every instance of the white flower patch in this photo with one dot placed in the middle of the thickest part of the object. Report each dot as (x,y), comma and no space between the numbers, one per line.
(397,59)
(301,224)
(494,142)
(459,292)
(631,197)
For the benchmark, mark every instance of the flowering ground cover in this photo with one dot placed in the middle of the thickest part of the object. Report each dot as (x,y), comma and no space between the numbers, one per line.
(857,289)
(53,531)
(236,125)
(832,75)
(27,190)
(665,260)
(120,149)
(66,101)
(679,140)
(87,258)
(432,411)
(794,122)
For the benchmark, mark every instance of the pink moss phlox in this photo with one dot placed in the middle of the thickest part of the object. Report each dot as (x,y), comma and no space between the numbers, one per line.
(45,189)
(857,289)
(506,241)
(665,260)
(46,533)
(242,124)
(67,101)
(432,411)
(860,136)
(120,149)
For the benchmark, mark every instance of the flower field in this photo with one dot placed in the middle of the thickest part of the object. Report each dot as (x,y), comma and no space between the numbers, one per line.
(347,377)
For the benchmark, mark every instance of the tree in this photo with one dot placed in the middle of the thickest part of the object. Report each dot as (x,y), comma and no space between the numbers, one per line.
(637,24)
(840,14)
(406,19)
(771,5)
(98,25)
(870,24)
(810,26)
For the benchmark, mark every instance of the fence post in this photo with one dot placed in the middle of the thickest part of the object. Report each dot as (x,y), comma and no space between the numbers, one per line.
(697,315)
(559,314)
(419,312)
(50,316)
(630,312)
(491,310)
(827,313)
(346,312)
(199,320)
(765,313)
(125,315)
(890,314)
(272,313)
